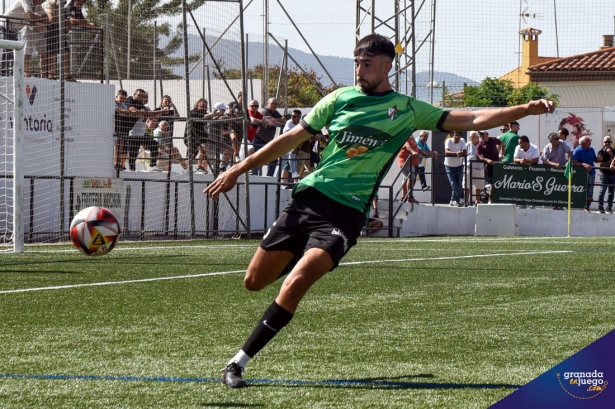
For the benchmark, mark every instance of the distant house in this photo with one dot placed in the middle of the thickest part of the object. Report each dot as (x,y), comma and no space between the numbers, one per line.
(584,80)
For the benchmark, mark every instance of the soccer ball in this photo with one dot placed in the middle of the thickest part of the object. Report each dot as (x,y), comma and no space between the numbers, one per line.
(94,231)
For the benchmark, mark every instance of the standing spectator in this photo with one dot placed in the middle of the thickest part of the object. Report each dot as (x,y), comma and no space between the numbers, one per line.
(289,163)
(75,18)
(166,104)
(488,151)
(137,105)
(196,136)
(28,14)
(166,151)
(526,153)
(504,128)
(122,127)
(52,40)
(235,128)
(148,142)
(255,119)
(455,152)
(584,155)
(510,140)
(606,155)
(563,136)
(424,152)
(34,40)
(408,160)
(267,130)
(475,169)
(555,153)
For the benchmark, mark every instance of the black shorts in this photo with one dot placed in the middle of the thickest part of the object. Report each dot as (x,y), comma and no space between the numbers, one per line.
(313,220)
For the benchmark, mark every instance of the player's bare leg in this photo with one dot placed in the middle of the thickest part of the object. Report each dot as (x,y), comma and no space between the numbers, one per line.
(266,266)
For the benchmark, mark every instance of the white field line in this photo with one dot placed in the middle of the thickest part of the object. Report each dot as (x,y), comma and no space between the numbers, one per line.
(349,263)
(121,247)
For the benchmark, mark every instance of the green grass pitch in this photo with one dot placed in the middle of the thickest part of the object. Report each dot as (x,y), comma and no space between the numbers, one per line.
(438,322)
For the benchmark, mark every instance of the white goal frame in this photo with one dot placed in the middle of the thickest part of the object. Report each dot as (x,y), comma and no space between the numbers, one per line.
(18,140)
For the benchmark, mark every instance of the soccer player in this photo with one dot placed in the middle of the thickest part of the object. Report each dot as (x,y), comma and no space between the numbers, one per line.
(368,125)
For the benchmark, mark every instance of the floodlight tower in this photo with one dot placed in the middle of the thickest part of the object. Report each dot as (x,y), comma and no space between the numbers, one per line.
(410,25)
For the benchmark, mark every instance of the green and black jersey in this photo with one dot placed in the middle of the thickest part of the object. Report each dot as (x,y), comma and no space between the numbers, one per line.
(366,133)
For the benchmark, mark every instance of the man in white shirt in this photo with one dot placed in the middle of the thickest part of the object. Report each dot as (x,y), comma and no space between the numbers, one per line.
(29,14)
(475,170)
(289,161)
(526,153)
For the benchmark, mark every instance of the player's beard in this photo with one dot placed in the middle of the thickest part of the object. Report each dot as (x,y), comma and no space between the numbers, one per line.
(367,87)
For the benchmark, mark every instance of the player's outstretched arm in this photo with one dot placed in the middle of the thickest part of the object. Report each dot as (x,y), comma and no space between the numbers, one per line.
(273,150)
(493,117)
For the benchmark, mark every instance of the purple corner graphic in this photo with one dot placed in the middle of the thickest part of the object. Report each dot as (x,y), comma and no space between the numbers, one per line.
(585,380)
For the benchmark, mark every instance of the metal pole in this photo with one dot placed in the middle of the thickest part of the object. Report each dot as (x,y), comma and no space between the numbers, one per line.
(244,109)
(432,46)
(18,150)
(107,45)
(373,16)
(188,123)
(556,35)
(129,40)
(154,63)
(204,52)
(397,64)
(413,11)
(63,62)
(265,86)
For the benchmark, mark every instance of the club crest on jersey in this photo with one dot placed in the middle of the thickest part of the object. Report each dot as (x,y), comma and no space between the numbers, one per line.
(393,112)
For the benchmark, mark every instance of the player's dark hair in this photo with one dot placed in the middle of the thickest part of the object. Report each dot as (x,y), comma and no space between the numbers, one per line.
(524,138)
(375,44)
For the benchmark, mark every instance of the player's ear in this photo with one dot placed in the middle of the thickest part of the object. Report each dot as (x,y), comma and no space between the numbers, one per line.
(388,64)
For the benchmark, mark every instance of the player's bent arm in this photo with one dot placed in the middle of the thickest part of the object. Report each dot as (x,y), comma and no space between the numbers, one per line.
(273,150)
(493,117)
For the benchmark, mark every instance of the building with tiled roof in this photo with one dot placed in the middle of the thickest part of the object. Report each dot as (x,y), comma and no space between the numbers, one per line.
(584,80)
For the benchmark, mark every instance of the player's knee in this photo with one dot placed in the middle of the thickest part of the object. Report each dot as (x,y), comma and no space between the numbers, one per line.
(251,282)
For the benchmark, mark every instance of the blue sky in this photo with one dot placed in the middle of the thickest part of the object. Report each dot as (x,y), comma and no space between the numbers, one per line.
(474,38)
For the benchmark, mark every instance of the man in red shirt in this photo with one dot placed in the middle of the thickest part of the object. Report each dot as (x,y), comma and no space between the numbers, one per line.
(256,118)
(408,161)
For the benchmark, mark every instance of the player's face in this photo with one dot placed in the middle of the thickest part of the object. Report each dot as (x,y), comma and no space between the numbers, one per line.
(372,73)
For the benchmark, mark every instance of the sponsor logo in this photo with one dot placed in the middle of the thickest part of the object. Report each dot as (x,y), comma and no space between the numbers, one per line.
(583,385)
(31,93)
(338,232)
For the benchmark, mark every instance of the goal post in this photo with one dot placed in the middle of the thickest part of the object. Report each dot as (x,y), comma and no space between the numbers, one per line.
(12,187)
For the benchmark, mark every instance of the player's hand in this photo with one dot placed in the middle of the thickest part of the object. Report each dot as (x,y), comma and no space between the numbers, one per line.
(542,106)
(223,183)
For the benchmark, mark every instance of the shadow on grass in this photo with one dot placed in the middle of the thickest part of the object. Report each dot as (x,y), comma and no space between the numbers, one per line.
(378,383)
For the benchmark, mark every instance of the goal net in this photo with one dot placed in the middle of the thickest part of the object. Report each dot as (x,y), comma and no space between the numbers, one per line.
(11,146)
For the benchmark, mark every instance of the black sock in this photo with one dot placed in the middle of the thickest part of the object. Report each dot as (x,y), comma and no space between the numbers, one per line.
(274,319)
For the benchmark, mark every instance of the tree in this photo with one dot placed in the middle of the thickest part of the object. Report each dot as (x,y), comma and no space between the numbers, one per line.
(142,41)
(494,92)
(530,92)
(301,91)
